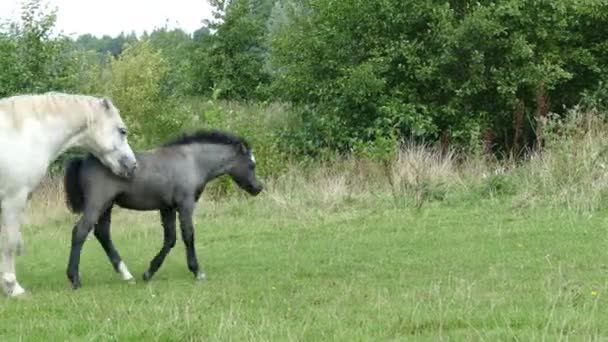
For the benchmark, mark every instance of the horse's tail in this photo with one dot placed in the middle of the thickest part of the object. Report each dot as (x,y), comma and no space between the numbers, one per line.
(72,186)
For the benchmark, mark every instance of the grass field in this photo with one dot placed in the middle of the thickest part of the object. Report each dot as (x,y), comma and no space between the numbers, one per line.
(345,268)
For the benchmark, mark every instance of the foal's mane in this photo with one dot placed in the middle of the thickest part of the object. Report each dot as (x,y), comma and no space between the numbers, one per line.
(204,136)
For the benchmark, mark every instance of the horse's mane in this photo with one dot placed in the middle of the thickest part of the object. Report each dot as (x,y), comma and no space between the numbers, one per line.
(49,98)
(209,137)
(50,104)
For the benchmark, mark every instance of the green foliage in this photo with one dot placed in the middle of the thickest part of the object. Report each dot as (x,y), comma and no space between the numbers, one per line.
(230,64)
(357,76)
(137,78)
(362,70)
(105,44)
(175,46)
(31,59)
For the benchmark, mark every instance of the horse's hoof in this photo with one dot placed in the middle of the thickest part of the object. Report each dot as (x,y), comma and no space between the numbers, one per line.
(18,291)
(11,287)
(201,276)
(131,281)
(147,276)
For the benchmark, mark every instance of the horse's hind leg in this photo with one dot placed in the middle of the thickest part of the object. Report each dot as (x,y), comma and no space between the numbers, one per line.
(11,241)
(79,235)
(168,220)
(102,233)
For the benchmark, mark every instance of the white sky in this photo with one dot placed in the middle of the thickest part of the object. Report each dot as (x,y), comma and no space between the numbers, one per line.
(100,17)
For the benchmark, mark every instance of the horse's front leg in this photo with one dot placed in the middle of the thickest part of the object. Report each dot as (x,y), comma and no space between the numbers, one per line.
(11,241)
(187,228)
(79,235)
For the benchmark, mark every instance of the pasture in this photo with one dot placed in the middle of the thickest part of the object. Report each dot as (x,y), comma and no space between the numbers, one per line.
(322,264)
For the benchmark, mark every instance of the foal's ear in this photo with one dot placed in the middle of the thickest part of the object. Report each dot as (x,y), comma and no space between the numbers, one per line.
(242,148)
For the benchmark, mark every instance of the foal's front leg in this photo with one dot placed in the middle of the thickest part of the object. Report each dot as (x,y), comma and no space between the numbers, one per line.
(168,221)
(187,228)
(79,235)
(102,233)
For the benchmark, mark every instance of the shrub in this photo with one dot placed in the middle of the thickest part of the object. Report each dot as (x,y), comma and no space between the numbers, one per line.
(137,77)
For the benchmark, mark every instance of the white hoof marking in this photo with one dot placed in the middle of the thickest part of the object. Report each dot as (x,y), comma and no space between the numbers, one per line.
(124,271)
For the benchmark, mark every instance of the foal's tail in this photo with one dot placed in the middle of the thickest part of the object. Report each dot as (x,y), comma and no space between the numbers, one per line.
(72,187)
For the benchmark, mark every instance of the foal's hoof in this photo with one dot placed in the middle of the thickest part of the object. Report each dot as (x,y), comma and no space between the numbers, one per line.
(147,276)
(75,282)
(201,276)
(131,281)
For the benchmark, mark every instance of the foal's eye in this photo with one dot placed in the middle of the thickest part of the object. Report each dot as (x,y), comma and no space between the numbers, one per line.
(122,131)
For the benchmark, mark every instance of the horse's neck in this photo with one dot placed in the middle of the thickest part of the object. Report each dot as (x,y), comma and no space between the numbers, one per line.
(57,134)
(28,151)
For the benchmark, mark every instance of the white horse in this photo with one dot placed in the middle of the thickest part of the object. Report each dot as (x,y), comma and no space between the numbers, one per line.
(34,131)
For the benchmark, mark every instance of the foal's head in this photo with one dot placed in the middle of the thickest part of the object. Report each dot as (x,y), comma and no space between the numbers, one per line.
(241,169)
(223,153)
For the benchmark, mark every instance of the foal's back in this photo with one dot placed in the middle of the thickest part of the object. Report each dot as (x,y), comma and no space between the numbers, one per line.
(162,178)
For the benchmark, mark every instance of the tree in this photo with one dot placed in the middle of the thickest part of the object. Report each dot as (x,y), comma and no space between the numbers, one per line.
(176,46)
(31,59)
(230,63)
(361,71)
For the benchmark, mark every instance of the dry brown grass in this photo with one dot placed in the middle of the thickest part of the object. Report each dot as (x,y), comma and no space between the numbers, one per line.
(415,170)
(571,171)
(47,202)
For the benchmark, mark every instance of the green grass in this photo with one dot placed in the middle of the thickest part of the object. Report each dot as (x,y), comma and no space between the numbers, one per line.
(359,270)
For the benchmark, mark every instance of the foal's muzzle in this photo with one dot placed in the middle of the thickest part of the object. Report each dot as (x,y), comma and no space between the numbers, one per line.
(255,190)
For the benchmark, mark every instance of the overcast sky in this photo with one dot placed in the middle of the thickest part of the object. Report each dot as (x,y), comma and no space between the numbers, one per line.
(110,17)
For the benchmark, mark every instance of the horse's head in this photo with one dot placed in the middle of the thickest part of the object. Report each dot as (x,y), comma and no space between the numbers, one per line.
(242,170)
(106,138)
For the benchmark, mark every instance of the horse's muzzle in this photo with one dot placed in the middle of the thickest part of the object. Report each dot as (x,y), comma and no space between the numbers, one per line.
(128,166)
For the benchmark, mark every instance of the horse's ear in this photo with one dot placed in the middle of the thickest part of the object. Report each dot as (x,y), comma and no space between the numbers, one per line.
(105,103)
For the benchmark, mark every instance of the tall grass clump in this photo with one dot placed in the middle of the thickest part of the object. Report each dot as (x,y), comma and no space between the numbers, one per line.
(570,170)
(421,172)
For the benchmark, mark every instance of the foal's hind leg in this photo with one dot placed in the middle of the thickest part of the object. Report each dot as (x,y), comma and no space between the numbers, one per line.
(102,233)
(168,220)
(11,240)
(79,235)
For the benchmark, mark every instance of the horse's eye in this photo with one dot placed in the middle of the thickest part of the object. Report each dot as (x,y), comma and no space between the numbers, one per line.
(122,131)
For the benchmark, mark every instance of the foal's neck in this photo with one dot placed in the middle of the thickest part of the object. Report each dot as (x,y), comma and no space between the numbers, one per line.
(212,159)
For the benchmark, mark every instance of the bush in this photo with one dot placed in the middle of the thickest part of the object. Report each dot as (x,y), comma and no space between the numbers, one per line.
(137,77)
(360,70)
(32,58)
(571,171)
